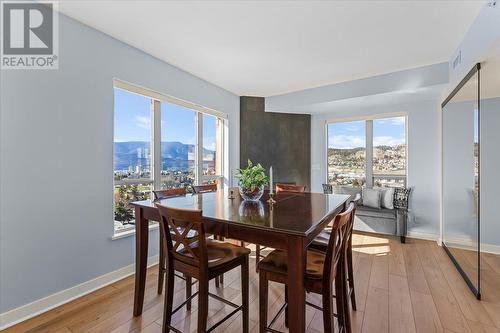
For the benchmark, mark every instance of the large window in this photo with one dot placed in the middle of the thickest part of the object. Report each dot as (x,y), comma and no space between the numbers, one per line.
(367,152)
(132,161)
(347,153)
(160,142)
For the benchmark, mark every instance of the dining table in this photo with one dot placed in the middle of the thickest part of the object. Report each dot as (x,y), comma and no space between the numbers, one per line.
(290,223)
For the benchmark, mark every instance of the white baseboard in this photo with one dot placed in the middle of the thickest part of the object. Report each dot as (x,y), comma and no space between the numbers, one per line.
(490,248)
(424,236)
(45,304)
(467,244)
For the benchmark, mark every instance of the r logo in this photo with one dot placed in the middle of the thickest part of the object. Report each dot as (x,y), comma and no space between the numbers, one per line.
(27,28)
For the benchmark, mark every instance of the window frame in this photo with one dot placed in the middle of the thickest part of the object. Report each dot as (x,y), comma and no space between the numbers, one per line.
(369,175)
(222,122)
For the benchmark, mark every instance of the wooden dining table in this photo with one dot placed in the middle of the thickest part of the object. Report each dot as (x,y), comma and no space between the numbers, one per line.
(290,224)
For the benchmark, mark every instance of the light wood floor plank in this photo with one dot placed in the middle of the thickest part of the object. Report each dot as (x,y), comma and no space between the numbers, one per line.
(415,273)
(396,258)
(446,304)
(425,313)
(400,307)
(376,314)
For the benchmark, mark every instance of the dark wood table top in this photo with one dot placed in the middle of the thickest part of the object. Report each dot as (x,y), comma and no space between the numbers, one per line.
(293,213)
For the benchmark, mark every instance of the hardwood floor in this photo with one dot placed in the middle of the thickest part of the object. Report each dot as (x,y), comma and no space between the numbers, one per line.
(410,287)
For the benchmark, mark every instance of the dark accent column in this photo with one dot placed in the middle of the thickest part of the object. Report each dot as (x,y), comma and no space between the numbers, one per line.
(282,140)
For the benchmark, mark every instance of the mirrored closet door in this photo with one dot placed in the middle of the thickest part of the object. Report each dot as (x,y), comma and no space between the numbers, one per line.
(461,177)
(470,178)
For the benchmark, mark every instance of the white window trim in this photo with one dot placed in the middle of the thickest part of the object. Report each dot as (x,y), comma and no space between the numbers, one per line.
(133,88)
(131,231)
(156,99)
(368,119)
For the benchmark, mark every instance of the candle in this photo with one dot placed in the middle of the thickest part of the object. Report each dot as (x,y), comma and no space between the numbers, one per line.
(271,187)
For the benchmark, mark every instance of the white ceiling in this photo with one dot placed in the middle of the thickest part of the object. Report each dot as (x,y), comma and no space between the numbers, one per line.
(266,48)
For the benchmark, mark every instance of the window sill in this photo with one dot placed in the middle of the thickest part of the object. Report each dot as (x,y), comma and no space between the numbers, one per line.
(131,232)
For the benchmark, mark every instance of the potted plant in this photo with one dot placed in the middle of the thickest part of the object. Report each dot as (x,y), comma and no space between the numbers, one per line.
(252,180)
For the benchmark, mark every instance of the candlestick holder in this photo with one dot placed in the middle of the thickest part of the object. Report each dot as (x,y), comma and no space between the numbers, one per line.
(231,193)
(271,200)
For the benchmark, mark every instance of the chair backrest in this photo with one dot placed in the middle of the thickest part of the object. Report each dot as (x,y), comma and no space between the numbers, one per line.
(172,192)
(354,202)
(290,188)
(327,188)
(205,188)
(176,225)
(337,244)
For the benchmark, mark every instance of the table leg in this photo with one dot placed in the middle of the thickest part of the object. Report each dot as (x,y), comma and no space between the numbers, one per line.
(141,259)
(296,291)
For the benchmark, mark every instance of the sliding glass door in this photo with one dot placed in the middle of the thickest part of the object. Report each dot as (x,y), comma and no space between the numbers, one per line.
(461,178)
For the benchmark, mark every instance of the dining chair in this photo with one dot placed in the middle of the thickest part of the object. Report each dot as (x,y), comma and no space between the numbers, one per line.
(290,188)
(203,259)
(279,188)
(321,243)
(197,189)
(205,188)
(322,269)
(171,192)
(162,264)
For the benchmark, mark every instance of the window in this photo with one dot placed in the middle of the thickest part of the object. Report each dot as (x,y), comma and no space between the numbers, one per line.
(347,153)
(132,154)
(157,146)
(211,148)
(178,140)
(389,152)
(367,152)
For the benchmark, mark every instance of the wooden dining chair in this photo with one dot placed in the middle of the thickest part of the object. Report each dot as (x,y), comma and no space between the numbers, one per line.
(203,259)
(321,243)
(279,188)
(322,269)
(290,188)
(162,264)
(171,192)
(205,188)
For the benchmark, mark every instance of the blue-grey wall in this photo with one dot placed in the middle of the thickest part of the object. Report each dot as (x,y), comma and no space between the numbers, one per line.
(490,177)
(56,161)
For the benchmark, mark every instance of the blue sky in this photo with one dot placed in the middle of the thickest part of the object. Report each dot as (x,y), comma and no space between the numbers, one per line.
(387,131)
(133,121)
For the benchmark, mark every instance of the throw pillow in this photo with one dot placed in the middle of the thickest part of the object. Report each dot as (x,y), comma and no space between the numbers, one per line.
(387,197)
(371,197)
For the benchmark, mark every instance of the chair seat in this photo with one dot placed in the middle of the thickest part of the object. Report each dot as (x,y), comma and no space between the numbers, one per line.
(277,262)
(218,252)
(321,241)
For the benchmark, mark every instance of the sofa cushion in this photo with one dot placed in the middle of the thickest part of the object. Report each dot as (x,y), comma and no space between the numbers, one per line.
(375,212)
(387,197)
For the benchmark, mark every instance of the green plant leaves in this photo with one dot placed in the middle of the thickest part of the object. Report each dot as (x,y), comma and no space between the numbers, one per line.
(253,176)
